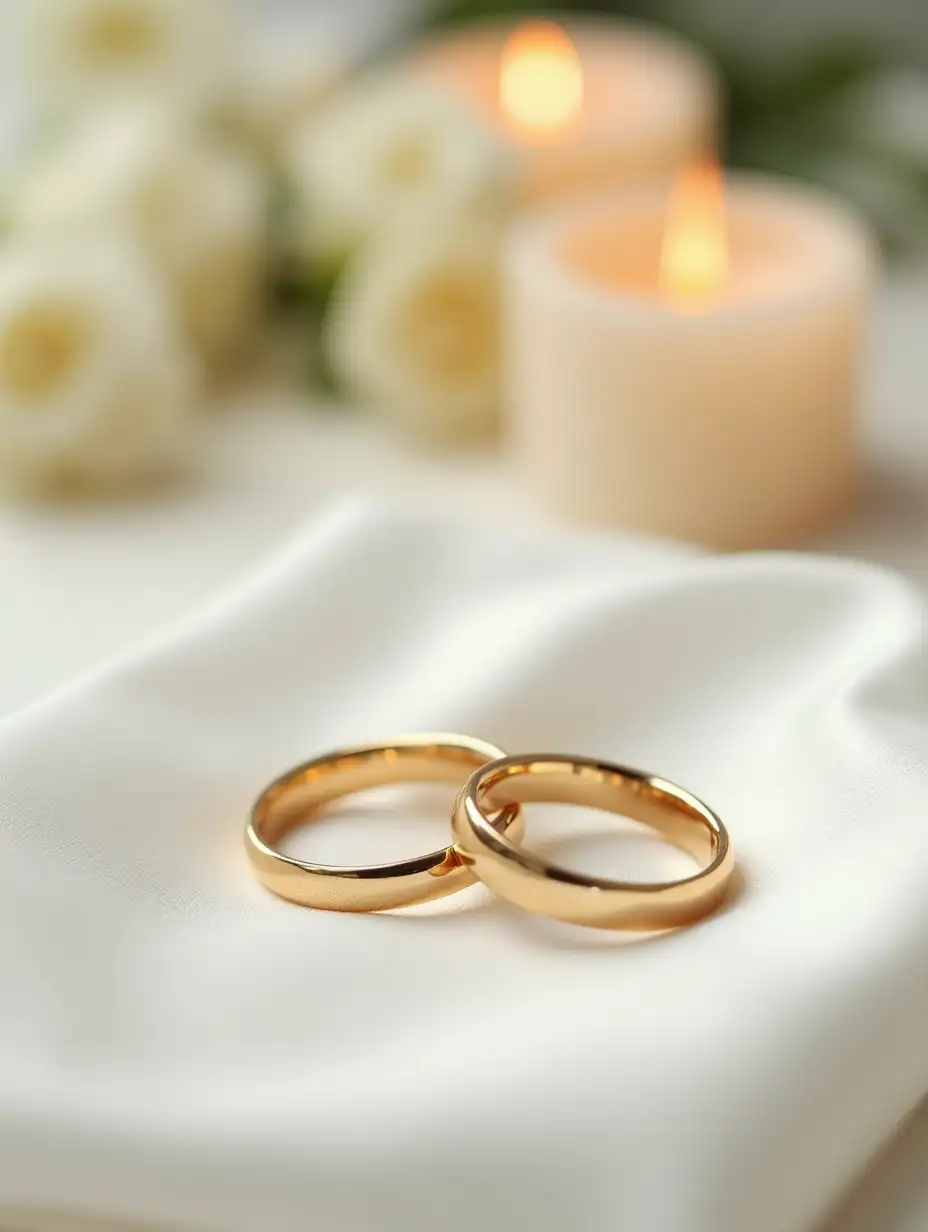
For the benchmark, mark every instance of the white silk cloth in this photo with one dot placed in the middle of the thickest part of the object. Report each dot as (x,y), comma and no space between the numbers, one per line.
(179,1049)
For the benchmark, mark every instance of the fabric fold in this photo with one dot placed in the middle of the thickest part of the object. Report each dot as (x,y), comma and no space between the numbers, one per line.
(179,1049)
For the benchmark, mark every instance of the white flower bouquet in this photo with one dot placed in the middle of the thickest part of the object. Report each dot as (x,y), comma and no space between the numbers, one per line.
(139,249)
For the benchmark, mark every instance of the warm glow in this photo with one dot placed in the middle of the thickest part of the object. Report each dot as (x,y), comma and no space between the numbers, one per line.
(541,80)
(694,257)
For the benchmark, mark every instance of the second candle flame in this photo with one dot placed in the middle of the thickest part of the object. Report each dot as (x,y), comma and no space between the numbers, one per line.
(541,78)
(694,255)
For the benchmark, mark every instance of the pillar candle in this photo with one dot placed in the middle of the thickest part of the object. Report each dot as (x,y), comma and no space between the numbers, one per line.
(713,401)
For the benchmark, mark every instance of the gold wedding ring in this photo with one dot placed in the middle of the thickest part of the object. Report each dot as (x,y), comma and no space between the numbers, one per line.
(300,794)
(548,889)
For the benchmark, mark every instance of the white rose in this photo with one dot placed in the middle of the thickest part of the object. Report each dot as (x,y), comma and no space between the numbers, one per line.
(414,331)
(96,385)
(194,203)
(392,154)
(83,53)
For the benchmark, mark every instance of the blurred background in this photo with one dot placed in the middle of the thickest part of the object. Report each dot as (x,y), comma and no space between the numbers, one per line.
(837,93)
(207,330)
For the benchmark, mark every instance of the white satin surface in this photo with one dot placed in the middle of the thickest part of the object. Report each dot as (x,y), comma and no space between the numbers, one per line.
(178,1049)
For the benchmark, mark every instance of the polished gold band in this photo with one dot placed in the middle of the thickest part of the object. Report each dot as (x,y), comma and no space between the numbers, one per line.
(300,794)
(535,884)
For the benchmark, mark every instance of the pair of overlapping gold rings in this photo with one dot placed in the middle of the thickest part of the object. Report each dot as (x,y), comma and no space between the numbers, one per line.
(487,826)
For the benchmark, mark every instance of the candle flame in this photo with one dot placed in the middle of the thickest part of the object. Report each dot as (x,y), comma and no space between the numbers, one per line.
(694,256)
(541,78)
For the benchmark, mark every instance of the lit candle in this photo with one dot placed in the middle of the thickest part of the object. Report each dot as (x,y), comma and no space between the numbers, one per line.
(694,251)
(599,104)
(686,365)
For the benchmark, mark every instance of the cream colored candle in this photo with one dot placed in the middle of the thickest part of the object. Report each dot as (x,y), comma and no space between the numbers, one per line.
(710,398)
(597,104)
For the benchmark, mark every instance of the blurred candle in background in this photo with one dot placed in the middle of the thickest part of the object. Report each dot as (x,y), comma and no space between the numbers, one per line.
(599,104)
(685,362)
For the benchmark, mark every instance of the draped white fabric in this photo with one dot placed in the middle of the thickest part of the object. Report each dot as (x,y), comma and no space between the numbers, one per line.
(180,1049)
